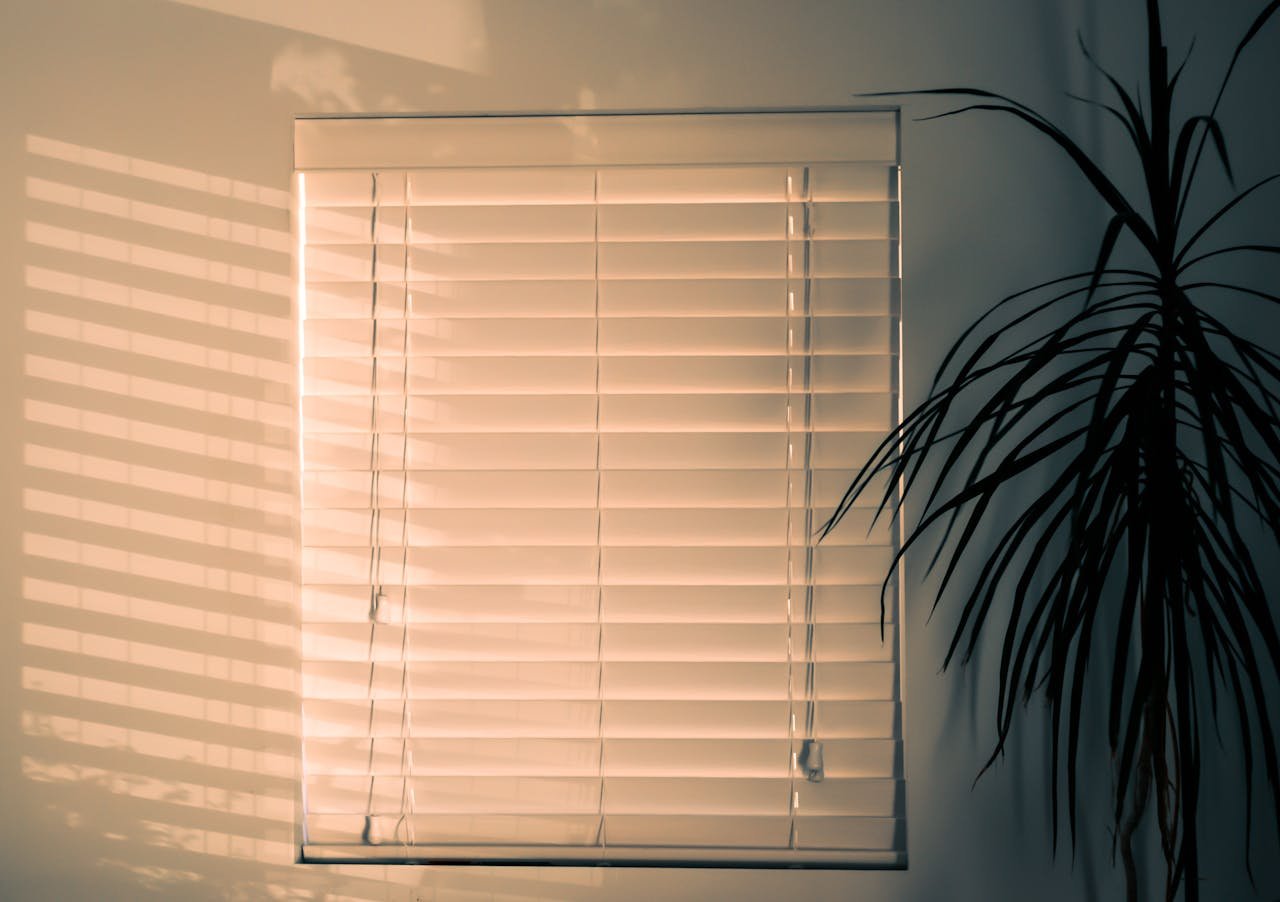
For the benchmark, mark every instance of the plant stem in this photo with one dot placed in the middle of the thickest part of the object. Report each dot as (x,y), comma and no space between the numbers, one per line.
(1141,793)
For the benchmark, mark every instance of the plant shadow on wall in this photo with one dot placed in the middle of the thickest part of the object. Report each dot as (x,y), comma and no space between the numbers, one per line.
(1134,435)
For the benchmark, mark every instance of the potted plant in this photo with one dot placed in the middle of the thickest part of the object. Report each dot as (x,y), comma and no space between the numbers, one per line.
(1130,437)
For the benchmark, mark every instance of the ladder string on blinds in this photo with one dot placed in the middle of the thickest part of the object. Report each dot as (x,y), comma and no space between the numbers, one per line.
(576,394)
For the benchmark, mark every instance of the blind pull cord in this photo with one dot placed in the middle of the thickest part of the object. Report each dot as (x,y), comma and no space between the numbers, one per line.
(408,804)
(810,759)
(372,834)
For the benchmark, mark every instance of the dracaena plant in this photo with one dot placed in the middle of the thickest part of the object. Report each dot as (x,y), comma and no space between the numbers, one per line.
(1104,449)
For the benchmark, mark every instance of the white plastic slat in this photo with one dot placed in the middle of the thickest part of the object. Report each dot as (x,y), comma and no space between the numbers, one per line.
(457,757)
(452,451)
(544,830)
(518,337)
(452,488)
(476,604)
(363,722)
(538,680)
(450,375)
(491,299)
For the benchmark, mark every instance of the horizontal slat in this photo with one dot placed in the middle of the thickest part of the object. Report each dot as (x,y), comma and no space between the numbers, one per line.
(691,221)
(846,219)
(692,184)
(659,838)
(536,565)
(842,797)
(698,830)
(583,413)
(550,680)
(740,412)
(457,488)
(518,337)
(578,336)
(668,297)
(841,832)
(558,298)
(742,642)
(730,259)
(611,642)
(683,527)
(557,795)
(682,220)
(728,450)
(690,488)
(837,259)
(743,184)
(538,830)
(548,488)
(678,719)
(683,758)
(669,527)
(698,336)
(717,758)
(537,756)
(567,298)
(723,796)
(577,604)
(443,527)
(735,565)
(743,375)
(495,299)
(466,795)
(677,605)
(687,412)
(475,375)
(451,224)
(485,262)
(662,527)
(751,832)
(358,377)
(467,642)
(457,451)
(457,757)
(362,719)
(567,680)
(451,413)
(453,604)
(852,182)
(743,681)
(750,794)
(467,186)
(666,604)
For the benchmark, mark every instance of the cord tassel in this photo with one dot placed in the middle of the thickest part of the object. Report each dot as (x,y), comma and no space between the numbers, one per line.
(811,761)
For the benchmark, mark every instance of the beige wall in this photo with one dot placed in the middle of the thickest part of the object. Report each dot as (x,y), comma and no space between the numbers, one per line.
(148,725)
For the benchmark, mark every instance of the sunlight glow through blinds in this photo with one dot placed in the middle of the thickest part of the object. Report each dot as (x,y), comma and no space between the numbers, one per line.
(576,394)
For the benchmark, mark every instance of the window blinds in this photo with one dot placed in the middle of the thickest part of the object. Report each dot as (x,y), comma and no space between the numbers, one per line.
(576,394)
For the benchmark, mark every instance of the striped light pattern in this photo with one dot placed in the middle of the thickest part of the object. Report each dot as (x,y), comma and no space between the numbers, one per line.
(569,426)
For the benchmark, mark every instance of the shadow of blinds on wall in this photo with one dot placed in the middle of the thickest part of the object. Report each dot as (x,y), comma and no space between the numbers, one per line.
(576,394)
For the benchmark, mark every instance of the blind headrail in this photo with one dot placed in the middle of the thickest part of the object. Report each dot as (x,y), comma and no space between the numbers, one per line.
(595,140)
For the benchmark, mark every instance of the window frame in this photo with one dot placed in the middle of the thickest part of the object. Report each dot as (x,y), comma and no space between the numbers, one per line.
(401,147)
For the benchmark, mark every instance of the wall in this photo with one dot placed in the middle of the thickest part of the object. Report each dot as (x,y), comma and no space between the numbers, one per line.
(149,726)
